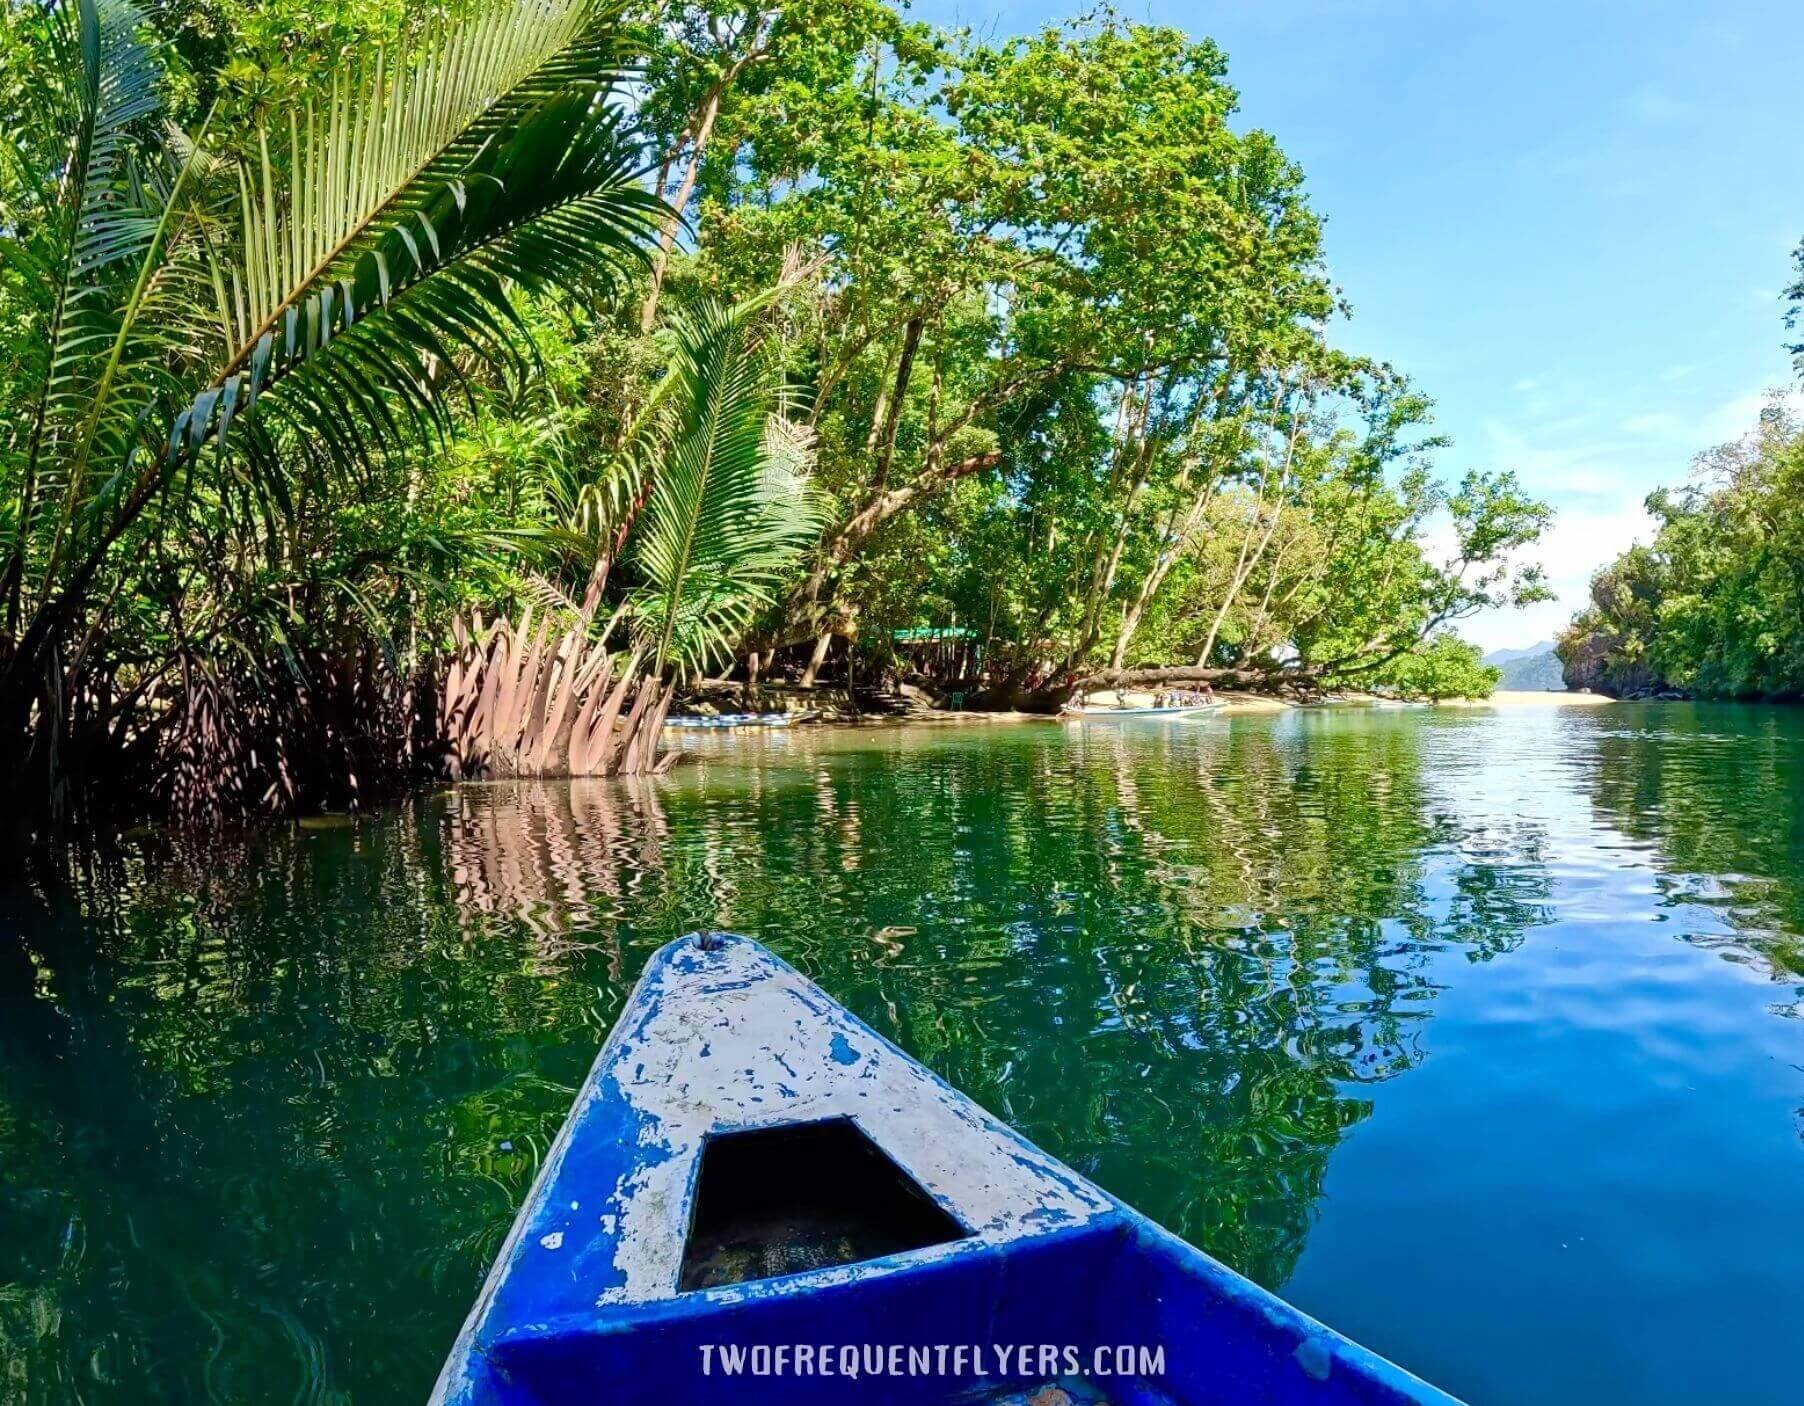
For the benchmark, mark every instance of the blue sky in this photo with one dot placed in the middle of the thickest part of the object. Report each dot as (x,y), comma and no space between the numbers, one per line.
(1569,223)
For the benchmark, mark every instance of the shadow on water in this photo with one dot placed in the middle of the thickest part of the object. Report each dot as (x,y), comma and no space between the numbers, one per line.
(265,1112)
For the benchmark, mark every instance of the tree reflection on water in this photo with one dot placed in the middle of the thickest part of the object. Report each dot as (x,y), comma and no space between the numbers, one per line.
(267,1110)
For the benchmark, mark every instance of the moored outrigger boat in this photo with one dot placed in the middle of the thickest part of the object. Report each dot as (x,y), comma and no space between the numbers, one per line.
(1121,714)
(732,720)
(749,1171)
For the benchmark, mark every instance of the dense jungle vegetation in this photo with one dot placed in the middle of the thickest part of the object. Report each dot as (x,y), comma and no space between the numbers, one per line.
(407,390)
(1714,605)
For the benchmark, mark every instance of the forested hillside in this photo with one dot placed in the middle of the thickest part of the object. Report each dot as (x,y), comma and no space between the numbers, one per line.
(1536,672)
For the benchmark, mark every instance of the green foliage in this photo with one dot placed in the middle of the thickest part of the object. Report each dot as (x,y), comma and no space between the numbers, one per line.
(1377,594)
(728,509)
(1445,667)
(227,338)
(1057,256)
(1715,604)
(330,322)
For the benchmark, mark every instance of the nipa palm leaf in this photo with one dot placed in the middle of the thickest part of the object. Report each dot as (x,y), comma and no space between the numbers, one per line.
(730,509)
(382,149)
(349,305)
(100,222)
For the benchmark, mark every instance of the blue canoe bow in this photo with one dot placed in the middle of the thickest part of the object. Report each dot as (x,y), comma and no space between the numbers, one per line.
(750,1169)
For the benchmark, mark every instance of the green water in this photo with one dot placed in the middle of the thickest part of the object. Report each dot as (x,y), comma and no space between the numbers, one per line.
(1475,1033)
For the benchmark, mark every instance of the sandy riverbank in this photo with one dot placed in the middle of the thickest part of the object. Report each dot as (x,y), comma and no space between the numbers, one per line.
(1232,701)
(1513,698)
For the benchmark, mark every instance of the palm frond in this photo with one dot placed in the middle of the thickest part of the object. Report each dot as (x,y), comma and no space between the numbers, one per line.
(370,168)
(730,509)
(101,219)
(367,364)
(607,505)
(332,356)
(118,89)
(142,338)
(553,603)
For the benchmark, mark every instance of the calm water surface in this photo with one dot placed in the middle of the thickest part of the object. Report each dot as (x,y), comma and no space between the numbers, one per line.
(1476,1033)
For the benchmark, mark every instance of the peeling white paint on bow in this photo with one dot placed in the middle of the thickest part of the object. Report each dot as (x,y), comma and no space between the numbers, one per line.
(731,1039)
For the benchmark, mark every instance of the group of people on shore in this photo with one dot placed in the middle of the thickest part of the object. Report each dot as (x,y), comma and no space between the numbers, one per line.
(1164,698)
(1184,698)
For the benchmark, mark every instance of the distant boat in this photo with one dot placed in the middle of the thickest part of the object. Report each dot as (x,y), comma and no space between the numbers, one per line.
(720,720)
(1124,714)
(750,1170)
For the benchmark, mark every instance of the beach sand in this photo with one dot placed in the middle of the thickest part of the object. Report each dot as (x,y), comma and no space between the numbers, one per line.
(1238,702)
(1514,698)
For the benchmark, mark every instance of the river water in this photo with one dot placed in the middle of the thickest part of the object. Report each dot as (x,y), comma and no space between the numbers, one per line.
(1475,1033)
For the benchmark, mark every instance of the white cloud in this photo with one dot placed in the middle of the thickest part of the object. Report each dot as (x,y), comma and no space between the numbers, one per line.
(1660,424)
(1595,465)
(1579,542)
(1654,106)
(1566,457)
(1740,416)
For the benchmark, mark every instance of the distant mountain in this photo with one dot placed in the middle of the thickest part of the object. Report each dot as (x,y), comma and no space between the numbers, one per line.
(1533,673)
(1500,657)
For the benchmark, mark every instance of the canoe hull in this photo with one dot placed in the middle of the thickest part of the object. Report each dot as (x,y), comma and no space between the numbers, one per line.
(582,1304)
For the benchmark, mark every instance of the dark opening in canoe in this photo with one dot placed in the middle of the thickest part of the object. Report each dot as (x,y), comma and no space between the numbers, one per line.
(802,1196)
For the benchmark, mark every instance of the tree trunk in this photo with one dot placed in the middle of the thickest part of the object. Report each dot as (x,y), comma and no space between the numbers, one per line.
(819,657)
(755,52)
(1186,673)
(802,607)
(660,264)
(1131,617)
(1243,567)
(886,446)
(598,582)
(1155,578)
(1243,570)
